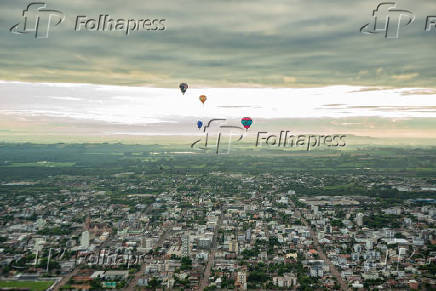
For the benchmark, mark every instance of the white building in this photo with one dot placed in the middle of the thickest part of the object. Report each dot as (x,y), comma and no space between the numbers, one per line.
(359,219)
(84,240)
(242,280)
(185,245)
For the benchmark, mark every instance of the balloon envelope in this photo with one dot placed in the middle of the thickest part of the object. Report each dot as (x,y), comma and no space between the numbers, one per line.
(203,98)
(247,122)
(183,87)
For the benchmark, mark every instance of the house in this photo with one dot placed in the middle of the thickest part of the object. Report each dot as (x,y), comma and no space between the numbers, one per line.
(116,275)
(286,281)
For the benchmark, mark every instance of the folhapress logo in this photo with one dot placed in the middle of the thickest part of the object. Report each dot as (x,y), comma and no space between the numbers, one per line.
(38,20)
(387,19)
(218,136)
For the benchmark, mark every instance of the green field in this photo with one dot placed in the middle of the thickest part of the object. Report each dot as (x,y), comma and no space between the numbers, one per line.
(35,286)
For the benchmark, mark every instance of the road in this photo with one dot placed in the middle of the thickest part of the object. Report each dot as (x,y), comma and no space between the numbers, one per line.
(333,270)
(211,260)
(141,271)
(65,279)
(105,245)
(74,272)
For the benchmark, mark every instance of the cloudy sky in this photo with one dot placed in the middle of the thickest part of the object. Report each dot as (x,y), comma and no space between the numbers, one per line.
(223,43)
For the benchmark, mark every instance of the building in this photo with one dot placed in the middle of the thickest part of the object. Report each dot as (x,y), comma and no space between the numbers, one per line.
(233,246)
(116,275)
(288,280)
(359,219)
(241,280)
(84,240)
(185,245)
(204,242)
(316,271)
(248,235)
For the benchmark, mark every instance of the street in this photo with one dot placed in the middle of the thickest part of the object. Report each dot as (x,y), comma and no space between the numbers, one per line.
(321,253)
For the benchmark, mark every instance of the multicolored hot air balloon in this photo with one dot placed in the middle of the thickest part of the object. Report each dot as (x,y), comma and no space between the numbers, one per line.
(247,122)
(183,87)
(203,98)
(199,124)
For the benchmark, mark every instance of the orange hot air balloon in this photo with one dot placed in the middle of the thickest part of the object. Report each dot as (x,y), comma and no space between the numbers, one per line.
(203,98)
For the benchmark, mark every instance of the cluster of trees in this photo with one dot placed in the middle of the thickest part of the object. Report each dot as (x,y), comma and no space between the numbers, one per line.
(186,263)
(250,253)
(429,269)
(65,230)
(381,220)
(336,223)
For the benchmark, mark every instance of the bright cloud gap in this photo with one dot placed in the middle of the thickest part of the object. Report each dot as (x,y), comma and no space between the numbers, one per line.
(139,105)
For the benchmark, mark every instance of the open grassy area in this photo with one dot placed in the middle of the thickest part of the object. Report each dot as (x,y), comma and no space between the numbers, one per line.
(33,285)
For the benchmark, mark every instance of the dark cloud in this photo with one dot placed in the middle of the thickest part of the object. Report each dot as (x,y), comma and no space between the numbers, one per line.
(223,43)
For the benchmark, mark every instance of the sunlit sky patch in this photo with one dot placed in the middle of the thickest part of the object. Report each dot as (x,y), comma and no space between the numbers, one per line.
(138,105)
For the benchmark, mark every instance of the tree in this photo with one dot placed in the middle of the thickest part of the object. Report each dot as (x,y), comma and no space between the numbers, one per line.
(257,277)
(186,263)
(154,283)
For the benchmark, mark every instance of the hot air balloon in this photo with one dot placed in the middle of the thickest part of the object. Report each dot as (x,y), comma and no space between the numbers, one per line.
(247,122)
(203,98)
(199,124)
(183,87)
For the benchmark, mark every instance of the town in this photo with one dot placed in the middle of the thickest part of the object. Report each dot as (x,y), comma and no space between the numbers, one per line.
(144,219)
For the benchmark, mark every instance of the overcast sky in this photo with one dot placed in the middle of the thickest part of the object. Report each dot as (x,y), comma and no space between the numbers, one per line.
(223,43)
